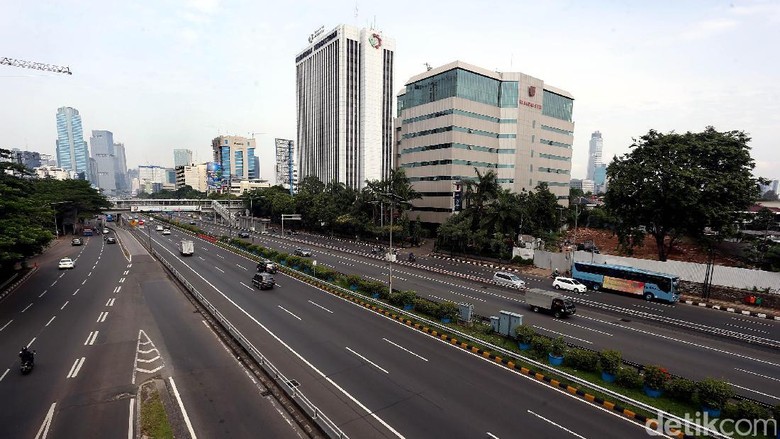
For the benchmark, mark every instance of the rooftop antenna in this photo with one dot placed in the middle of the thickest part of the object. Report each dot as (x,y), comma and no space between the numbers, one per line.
(428,67)
(356,13)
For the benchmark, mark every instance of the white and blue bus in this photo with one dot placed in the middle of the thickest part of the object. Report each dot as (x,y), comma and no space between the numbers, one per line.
(628,280)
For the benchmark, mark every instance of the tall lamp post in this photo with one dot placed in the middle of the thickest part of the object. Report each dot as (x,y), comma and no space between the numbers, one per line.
(391,255)
(56,226)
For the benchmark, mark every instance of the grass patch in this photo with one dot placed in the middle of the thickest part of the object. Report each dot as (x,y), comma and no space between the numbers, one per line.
(154,420)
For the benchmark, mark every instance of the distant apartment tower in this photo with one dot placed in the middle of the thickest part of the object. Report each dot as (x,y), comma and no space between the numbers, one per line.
(344,104)
(194,176)
(236,156)
(182,157)
(286,167)
(102,145)
(28,159)
(594,154)
(151,178)
(72,151)
(122,179)
(584,185)
(457,119)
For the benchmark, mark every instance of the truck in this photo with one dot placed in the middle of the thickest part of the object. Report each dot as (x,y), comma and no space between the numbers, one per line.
(555,303)
(186,247)
(87,231)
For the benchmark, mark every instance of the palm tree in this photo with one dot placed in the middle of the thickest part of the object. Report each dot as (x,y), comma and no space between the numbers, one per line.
(479,193)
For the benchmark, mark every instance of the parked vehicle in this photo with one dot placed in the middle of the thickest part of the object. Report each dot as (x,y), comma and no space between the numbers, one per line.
(66,263)
(569,284)
(507,279)
(186,247)
(76,241)
(263,281)
(555,303)
(267,266)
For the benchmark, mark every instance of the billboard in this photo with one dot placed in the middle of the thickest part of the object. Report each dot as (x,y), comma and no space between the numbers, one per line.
(213,175)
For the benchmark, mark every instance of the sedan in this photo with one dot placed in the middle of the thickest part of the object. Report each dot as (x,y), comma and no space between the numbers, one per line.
(508,280)
(110,240)
(66,263)
(243,234)
(302,252)
(166,232)
(76,241)
(568,284)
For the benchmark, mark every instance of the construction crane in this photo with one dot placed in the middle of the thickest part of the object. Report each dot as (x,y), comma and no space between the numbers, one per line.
(34,65)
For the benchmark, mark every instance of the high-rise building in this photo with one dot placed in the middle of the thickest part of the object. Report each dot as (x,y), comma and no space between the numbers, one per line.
(236,156)
(72,151)
(28,159)
(594,154)
(102,145)
(286,168)
(458,119)
(194,176)
(344,103)
(122,180)
(48,160)
(182,157)
(150,177)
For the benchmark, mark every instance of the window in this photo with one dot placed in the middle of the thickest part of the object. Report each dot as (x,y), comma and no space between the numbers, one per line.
(557,106)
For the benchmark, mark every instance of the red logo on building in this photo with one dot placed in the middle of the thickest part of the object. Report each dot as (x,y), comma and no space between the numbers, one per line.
(531,91)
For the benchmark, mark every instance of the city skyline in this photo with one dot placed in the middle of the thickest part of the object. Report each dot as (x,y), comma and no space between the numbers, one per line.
(632,67)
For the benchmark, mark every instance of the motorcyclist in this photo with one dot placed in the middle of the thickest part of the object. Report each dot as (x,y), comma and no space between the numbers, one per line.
(26,355)
(411,257)
(555,273)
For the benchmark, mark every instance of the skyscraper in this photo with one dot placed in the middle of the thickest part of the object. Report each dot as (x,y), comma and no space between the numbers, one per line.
(72,151)
(344,100)
(236,156)
(122,180)
(286,168)
(594,154)
(102,145)
(182,157)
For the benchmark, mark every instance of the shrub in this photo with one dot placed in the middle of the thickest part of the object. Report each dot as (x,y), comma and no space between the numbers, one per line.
(610,361)
(656,377)
(525,333)
(681,389)
(751,410)
(629,378)
(353,279)
(714,393)
(401,298)
(520,261)
(448,310)
(425,306)
(540,345)
(582,359)
(558,347)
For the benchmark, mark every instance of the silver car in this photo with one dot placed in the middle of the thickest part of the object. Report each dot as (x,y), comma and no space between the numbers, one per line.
(507,279)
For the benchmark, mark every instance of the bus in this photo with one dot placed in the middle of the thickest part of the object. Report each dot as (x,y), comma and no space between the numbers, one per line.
(629,280)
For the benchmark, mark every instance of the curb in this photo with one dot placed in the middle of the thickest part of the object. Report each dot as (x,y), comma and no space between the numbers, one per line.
(10,288)
(734,310)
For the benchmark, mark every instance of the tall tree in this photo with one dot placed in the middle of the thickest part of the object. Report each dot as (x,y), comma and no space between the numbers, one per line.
(480,192)
(673,184)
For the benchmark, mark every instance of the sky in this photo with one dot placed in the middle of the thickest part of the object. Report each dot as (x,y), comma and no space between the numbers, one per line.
(168,74)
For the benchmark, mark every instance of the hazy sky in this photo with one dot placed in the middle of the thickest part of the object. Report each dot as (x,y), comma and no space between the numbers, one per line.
(170,74)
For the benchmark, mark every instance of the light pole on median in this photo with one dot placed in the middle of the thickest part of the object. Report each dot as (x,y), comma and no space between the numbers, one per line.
(391,255)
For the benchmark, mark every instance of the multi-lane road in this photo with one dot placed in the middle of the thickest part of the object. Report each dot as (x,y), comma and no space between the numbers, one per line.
(682,338)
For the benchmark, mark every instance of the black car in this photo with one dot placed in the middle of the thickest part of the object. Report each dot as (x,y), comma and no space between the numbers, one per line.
(76,241)
(267,266)
(110,240)
(243,234)
(264,281)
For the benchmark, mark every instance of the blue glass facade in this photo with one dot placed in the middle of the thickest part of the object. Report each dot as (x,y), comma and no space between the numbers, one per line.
(557,106)
(463,84)
(72,151)
(225,156)
(250,157)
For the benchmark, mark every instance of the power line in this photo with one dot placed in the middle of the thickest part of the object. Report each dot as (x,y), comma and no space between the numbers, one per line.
(34,65)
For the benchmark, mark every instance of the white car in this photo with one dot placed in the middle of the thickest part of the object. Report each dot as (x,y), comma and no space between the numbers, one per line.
(508,280)
(67,263)
(106,231)
(159,228)
(569,284)
(166,232)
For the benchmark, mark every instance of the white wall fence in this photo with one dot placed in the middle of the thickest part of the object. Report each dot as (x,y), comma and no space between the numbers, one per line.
(724,276)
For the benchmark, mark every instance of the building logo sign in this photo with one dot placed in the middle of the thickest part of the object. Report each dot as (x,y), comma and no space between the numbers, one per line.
(316,34)
(375,41)
(531,91)
(531,104)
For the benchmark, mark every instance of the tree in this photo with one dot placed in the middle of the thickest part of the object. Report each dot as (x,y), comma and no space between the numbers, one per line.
(480,192)
(675,184)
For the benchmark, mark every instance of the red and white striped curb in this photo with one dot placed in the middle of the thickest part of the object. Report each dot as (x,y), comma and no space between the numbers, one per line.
(13,286)
(734,310)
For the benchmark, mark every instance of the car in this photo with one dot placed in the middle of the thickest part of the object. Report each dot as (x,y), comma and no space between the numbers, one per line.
(106,231)
(110,240)
(263,281)
(166,231)
(265,232)
(66,263)
(568,284)
(159,228)
(267,266)
(243,234)
(303,252)
(507,279)
(192,223)
(140,222)
(76,241)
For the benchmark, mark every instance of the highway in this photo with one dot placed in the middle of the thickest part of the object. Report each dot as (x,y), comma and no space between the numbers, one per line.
(374,376)
(690,353)
(103,328)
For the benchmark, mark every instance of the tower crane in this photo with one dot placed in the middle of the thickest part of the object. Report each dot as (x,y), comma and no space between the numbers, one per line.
(34,65)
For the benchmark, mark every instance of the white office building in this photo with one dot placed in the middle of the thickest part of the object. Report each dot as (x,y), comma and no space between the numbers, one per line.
(344,100)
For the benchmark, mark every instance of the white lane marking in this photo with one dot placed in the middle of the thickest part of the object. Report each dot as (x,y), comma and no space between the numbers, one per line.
(598,331)
(110,302)
(204,248)
(102,317)
(77,291)
(50,320)
(300,357)
(53,283)
(141,360)
(122,280)
(493,436)
(288,312)
(130,420)
(320,306)
(201,258)
(562,334)
(756,391)
(126,272)
(4,374)
(60,277)
(74,370)
(88,275)
(91,338)
(557,425)
(247,286)
(63,306)
(44,430)
(9,322)
(85,281)
(129,265)
(241,266)
(27,307)
(757,374)
(367,360)
(183,410)
(467,296)
(44,292)
(219,269)
(403,348)
(31,342)
(118,289)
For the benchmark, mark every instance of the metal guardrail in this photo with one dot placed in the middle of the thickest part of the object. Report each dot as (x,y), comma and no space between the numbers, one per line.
(327,425)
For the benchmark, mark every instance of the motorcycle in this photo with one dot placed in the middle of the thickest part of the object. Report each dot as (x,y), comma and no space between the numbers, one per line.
(412,258)
(27,365)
